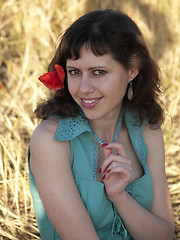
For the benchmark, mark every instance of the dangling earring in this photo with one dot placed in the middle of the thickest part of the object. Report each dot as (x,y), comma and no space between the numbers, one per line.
(130,91)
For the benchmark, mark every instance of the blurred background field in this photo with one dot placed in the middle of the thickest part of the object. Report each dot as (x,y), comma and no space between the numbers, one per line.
(28,33)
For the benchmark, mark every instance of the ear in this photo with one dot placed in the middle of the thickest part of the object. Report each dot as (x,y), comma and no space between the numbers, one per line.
(132,73)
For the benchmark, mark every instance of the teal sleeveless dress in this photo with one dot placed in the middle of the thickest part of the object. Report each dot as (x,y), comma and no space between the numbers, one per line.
(84,155)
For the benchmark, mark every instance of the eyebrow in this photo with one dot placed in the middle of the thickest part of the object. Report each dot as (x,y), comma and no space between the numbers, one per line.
(91,68)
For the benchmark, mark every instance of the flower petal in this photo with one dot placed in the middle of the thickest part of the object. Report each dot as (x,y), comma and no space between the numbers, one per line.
(60,72)
(53,80)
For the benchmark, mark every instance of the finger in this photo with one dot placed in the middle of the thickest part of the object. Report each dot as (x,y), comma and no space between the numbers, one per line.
(118,146)
(107,151)
(112,160)
(124,170)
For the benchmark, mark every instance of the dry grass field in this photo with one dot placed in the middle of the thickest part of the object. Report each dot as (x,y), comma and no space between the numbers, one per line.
(28,33)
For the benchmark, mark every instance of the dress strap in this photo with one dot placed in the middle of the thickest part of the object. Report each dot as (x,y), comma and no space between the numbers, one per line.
(135,131)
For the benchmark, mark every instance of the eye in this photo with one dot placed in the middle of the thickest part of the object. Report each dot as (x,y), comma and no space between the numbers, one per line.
(74,72)
(99,72)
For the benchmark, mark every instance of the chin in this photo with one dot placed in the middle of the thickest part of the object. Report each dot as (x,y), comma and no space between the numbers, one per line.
(89,113)
(92,116)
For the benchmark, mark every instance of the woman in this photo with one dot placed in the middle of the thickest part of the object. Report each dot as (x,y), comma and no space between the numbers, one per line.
(96,161)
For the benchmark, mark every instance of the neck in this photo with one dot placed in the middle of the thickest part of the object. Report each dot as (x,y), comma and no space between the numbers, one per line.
(105,128)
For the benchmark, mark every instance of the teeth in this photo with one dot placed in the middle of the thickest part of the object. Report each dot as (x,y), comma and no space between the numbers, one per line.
(90,101)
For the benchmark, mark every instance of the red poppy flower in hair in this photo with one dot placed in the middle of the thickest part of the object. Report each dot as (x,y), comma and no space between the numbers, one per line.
(55,79)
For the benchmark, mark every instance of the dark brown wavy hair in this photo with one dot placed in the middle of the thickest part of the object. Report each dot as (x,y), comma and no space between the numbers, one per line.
(108,32)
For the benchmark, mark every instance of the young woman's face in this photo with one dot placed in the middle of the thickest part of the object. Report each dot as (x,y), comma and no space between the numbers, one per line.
(97,84)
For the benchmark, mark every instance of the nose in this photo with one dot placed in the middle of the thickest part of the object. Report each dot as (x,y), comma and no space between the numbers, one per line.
(86,84)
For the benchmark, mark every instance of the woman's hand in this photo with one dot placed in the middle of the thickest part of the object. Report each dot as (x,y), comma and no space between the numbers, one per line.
(116,171)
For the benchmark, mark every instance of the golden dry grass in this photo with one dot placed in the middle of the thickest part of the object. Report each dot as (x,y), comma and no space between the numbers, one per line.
(28,32)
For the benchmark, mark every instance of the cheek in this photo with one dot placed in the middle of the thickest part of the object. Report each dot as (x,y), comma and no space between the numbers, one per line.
(119,87)
(123,84)
(72,87)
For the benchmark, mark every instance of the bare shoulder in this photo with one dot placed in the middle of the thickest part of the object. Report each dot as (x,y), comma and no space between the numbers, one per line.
(154,141)
(46,128)
(44,134)
(43,146)
(152,133)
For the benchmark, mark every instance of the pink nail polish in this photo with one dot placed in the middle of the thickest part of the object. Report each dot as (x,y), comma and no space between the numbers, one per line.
(108,171)
(104,144)
(104,177)
(100,170)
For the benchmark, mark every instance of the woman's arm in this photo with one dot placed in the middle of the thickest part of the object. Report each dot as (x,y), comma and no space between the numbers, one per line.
(51,166)
(156,224)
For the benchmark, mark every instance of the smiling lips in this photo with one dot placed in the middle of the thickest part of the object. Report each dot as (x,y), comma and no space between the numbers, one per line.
(89,103)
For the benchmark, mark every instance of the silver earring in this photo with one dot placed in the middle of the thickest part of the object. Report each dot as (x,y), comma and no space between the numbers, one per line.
(130,91)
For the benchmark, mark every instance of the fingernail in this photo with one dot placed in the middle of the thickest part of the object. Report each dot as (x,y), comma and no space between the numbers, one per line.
(104,177)
(104,144)
(108,171)
(100,170)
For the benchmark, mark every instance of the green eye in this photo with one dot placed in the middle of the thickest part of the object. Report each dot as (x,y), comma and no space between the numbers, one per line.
(99,72)
(74,72)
